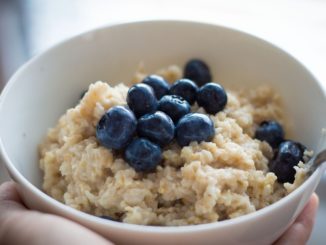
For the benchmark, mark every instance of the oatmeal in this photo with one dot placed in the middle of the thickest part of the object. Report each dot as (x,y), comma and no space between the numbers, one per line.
(202,182)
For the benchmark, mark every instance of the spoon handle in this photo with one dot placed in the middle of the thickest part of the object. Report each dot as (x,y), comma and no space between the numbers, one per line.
(318,160)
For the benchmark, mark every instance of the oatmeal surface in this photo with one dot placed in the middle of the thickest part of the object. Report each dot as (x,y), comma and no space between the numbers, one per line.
(200,183)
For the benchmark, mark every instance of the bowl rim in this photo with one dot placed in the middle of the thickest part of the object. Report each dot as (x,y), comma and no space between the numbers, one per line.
(79,215)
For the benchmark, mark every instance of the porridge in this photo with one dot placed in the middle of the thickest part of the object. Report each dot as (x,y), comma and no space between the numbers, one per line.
(226,165)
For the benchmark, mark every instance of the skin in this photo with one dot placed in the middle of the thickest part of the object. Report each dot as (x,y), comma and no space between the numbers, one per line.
(18,225)
(299,232)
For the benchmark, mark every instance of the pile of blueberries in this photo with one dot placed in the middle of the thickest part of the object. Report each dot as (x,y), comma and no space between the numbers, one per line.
(287,153)
(158,112)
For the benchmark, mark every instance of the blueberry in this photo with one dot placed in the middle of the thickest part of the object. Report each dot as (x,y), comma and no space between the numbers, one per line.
(157,127)
(302,148)
(271,132)
(212,97)
(116,128)
(198,71)
(288,155)
(175,106)
(141,99)
(159,85)
(185,88)
(143,155)
(194,127)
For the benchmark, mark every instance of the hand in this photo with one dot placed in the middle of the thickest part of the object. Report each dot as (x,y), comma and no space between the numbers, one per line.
(299,232)
(18,225)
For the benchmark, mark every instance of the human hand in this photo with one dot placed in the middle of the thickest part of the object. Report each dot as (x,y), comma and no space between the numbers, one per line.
(18,225)
(299,232)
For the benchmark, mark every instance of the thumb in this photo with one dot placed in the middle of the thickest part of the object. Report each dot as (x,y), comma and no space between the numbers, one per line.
(8,192)
(299,232)
(11,208)
(10,200)
(21,226)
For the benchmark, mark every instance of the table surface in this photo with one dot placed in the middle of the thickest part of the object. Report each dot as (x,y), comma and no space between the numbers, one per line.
(297,26)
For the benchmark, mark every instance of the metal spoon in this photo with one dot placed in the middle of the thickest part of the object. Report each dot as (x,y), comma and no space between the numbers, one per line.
(317,161)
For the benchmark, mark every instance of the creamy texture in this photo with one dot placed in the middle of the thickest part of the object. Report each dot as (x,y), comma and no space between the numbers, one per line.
(200,183)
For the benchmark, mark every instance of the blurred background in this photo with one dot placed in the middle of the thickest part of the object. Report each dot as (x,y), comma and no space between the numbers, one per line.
(28,27)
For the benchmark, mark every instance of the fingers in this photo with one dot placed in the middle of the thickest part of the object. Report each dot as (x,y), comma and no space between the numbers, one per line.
(8,192)
(299,232)
(9,200)
(307,217)
(10,208)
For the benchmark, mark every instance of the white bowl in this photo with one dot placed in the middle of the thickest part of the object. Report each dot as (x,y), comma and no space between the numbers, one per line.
(50,83)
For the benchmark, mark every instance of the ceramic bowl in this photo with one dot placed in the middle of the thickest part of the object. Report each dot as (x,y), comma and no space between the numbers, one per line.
(49,84)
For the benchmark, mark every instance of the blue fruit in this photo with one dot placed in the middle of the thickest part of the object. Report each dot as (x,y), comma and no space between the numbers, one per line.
(116,128)
(159,85)
(143,155)
(212,97)
(175,106)
(271,132)
(288,155)
(185,88)
(141,99)
(194,127)
(157,127)
(198,71)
